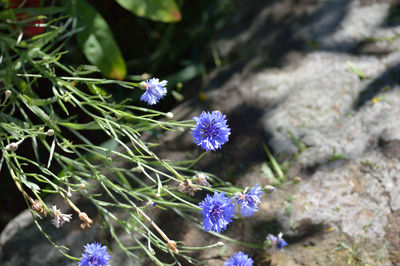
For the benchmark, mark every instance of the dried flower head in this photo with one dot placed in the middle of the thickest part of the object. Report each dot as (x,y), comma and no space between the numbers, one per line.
(188,187)
(248,202)
(155,90)
(87,222)
(211,130)
(59,217)
(201,179)
(172,246)
(217,211)
(277,242)
(239,259)
(37,206)
(95,255)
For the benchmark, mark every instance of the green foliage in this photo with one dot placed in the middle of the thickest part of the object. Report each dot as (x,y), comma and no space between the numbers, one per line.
(97,42)
(158,10)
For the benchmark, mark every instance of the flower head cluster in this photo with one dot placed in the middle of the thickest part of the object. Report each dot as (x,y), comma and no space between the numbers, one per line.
(59,217)
(217,211)
(277,242)
(248,202)
(95,255)
(155,90)
(239,259)
(211,130)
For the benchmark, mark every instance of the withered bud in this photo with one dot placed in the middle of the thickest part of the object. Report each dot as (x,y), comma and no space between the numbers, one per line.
(172,246)
(87,222)
(37,206)
(188,187)
(50,132)
(12,146)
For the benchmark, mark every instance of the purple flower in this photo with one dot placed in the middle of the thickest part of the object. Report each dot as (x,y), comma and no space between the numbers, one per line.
(217,211)
(211,130)
(95,255)
(248,202)
(155,90)
(239,259)
(277,242)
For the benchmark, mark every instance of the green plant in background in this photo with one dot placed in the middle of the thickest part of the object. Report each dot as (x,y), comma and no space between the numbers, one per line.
(84,141)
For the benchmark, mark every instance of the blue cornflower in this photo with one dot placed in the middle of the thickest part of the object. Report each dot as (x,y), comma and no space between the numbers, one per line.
(217,211)
(95,255)
(211,130)
(277,242)
(248,202)
(239,259)
(155,90)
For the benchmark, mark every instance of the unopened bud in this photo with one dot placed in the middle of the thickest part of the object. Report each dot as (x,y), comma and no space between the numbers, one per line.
(41,129)
(50,132)
(151,204)
(220,243)
(82,186)
(69,194)
(8,93)
(12,146)
(269,188)
(297,179)
(170,115)
(158,195)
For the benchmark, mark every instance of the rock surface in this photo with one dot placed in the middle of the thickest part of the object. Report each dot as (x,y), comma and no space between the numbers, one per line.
(318,82)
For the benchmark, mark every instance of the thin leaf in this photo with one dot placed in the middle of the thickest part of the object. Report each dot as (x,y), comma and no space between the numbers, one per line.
(53,146)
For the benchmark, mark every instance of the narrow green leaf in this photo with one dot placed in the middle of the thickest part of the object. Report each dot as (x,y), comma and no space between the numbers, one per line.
(158,10)
(97,42)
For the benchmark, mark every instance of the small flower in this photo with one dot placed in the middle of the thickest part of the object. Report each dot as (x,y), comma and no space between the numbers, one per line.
(277,242)
(59,217)
(248,202)
(201,179)
(187,187)
(95,255)
(239,259)
(211,130)
(217,211)
(155,90)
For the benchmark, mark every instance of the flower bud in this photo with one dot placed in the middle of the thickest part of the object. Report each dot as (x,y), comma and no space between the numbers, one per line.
(170,115)
(8,93)
(50,132)
(12,146)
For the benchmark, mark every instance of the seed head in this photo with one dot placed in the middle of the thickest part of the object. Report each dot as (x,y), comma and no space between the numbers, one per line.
(87,222)
(59,217)
(188,187)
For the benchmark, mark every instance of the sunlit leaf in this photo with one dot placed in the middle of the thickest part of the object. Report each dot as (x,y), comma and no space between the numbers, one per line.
(158,10)
(97,42)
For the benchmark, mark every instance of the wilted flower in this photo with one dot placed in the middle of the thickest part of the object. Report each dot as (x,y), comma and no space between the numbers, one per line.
(277,242)
(87,222)
(37,206)
(201,179)
(95,255)
(211,130)
(188,187)
(217,211)
(248,202)
(59,217)
(239,259)
(155,90)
